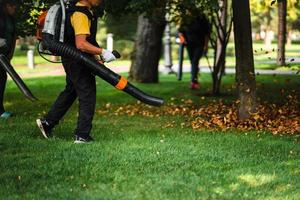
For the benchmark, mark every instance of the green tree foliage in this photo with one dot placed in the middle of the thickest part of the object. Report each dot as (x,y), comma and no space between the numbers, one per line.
(30,9)
(122,28)
(27,13)
(293,14)
(262,13)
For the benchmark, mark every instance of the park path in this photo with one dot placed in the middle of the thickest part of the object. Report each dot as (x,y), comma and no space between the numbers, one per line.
(57,70)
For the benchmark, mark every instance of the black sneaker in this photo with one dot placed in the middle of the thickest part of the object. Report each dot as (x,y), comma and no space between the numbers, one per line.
(79,140)
(45,127)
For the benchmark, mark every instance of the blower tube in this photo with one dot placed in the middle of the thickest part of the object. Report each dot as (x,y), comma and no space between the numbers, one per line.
(100,70)
(16,78)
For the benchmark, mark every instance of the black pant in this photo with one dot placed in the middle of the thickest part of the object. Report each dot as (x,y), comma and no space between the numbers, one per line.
(79,83)
(3,79)
(195,52)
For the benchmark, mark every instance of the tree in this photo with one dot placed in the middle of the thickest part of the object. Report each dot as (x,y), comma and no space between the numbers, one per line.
(147,51)
(285,20)
(282,9)
(151,25)
(245,76)
(219,43)
(264,16)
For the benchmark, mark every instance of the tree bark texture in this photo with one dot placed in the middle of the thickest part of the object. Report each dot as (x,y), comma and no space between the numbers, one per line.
(245,75)
(282,8)
(148,46)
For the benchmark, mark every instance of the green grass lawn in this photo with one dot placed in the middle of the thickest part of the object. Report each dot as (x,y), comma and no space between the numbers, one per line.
(266,58)
(138,157)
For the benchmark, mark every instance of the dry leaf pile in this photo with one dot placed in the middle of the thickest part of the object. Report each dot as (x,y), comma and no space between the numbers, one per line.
(278,119)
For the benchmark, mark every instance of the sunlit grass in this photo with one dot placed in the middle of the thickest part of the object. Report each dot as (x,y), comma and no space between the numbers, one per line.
(139,157)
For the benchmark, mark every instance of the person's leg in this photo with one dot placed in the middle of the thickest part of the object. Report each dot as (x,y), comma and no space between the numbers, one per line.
(194,67)
(64,101)
(3,78)
(62,104)
(86,90)
(198,51)
(190,50)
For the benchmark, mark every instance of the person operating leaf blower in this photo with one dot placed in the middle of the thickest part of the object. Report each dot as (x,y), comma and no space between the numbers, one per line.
(81,27)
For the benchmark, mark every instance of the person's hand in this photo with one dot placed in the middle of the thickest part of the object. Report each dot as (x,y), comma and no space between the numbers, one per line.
(107,56)
(181,38)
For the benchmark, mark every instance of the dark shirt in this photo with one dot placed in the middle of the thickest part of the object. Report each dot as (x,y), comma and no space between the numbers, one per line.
(196,30)
(7,32)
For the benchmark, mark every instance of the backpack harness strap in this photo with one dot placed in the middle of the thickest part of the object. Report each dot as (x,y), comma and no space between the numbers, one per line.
(82,9)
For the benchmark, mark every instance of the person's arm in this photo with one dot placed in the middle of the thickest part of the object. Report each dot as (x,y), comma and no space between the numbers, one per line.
(83,45)
(80,23)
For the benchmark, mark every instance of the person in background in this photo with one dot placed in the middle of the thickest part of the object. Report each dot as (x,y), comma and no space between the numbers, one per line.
(7,44)
(195,31)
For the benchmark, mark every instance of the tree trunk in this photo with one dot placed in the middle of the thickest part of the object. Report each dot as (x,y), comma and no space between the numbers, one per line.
(245,76)
(219,70)
(144,66)
(281,32)
(220,58)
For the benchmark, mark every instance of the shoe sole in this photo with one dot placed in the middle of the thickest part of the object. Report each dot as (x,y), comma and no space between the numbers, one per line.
(39,123)
(80,142)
